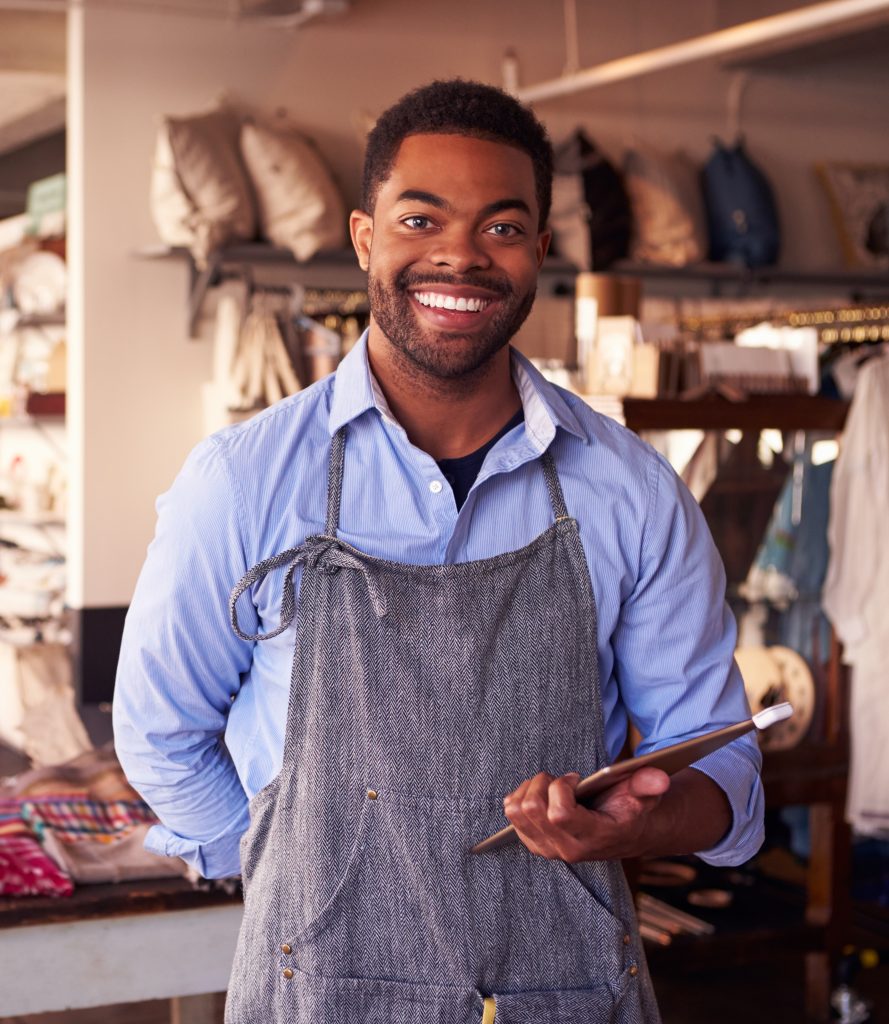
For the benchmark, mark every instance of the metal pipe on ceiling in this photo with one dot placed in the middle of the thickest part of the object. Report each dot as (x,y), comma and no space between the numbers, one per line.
(714,44)
(272,15)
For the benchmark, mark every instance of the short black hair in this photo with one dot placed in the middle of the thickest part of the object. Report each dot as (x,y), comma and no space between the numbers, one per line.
(458,107)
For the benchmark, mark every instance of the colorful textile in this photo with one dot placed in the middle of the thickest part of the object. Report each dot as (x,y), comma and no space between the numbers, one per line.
(95,841)
(25,869)
(72,821)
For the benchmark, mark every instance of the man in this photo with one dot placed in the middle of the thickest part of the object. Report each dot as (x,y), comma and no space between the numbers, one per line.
(456,582)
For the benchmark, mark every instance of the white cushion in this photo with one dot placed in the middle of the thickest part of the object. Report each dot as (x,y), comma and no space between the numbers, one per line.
(200,194)
(299,205)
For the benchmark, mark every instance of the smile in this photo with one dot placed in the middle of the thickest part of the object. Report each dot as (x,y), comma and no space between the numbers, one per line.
(435,300)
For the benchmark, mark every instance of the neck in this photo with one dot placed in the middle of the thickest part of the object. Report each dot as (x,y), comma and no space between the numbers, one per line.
(444,418)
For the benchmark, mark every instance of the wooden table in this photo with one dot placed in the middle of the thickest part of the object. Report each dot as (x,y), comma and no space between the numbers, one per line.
(106,944)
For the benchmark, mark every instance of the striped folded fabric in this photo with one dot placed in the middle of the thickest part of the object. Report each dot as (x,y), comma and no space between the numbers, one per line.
(25,868)
(73,821)
(98,841)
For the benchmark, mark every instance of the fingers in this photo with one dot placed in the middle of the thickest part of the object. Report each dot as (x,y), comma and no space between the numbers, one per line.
(543,811)
(562,802)
(550,822)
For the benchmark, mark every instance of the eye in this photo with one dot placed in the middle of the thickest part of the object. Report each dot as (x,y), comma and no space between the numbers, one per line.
(503,230)
(417,222)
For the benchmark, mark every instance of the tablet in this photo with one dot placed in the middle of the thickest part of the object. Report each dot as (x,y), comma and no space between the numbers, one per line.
(668,759)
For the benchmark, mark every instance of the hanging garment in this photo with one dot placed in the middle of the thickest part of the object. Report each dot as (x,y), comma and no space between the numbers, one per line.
(420,695)
(856,592)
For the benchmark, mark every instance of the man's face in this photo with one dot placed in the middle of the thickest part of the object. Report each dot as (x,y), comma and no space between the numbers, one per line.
(452,251)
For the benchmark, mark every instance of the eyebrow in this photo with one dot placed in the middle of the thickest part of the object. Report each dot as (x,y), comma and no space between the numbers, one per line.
(417,195)
(431,199)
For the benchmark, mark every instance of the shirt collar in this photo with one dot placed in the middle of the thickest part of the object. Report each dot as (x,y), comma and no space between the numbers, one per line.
(355,391)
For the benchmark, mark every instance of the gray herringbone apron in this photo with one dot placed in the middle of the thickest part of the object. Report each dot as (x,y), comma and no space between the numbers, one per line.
(419,697)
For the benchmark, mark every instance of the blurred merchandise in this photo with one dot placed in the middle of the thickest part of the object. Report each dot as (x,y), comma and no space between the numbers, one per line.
(741,213)
(47,205)
(39,284)
(669,223)
(220,178)
(591,217)
(298,204)
(37,703)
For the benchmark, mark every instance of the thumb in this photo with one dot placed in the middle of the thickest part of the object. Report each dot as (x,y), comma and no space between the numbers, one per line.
(649,782)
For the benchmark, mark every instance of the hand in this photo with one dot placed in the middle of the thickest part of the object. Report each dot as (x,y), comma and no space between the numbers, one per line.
(551,823)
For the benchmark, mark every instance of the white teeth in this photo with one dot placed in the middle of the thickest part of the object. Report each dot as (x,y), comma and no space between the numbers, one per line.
(437,301)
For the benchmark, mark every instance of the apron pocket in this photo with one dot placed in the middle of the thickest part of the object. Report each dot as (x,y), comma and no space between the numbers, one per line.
(397,909)
(328,889)
(601,887)
(308,999)
(596,1005)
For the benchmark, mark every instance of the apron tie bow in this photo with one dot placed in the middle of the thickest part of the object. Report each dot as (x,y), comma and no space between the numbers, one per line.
(317,552)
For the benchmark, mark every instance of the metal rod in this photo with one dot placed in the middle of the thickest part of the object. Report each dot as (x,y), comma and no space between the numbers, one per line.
(572,41)
(713,44)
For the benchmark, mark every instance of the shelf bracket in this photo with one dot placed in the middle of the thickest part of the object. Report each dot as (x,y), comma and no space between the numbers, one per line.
(201,282)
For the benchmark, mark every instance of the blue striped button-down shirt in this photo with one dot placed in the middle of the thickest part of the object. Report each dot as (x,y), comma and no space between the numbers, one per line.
(199,715)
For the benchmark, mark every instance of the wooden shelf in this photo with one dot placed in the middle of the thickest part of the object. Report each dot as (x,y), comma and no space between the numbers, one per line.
(339,269)
(41,320)
(110,900)
(730,273)
(758,412)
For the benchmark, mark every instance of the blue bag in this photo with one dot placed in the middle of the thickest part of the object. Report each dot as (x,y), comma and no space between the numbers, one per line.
(742,218)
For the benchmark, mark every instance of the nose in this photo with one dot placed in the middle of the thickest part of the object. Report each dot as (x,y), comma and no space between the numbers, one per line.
(460,250)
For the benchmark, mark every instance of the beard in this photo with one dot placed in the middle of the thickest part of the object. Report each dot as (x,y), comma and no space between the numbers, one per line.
(439,354)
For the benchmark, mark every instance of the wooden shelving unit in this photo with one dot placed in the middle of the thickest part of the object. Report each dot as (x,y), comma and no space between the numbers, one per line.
(813,774)
(757,412)
(339,269)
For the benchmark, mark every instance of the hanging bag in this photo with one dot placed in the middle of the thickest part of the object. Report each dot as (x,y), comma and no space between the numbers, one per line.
(742,217)
(591,216)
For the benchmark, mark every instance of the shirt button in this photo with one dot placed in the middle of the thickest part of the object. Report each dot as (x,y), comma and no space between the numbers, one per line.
(435,486)
(286,948)
(287,973)
(633,971)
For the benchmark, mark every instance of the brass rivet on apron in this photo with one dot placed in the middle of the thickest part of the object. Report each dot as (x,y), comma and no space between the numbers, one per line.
(287,973)
(286,949)
(372,794)
(634,970)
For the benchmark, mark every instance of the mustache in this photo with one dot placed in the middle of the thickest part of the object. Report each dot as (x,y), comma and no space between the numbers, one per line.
(407,280)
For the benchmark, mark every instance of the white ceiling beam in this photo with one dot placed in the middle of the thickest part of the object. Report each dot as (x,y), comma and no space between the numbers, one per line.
(763,31)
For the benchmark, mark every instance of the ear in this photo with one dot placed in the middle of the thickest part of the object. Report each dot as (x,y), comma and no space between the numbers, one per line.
(543,240)
(361,228)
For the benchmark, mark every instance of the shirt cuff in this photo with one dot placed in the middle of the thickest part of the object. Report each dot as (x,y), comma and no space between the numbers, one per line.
(739,779)
(218,857)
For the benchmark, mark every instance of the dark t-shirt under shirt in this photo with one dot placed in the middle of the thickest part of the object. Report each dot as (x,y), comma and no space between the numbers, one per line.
(461,473)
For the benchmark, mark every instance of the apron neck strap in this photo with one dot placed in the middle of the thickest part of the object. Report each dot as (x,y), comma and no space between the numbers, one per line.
(335,481)
(556,497)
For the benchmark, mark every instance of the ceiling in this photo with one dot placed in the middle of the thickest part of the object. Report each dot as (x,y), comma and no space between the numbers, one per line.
(32,76)
(33,51)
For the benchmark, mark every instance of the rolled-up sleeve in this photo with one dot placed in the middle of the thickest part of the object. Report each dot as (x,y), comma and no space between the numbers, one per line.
(180,668)
(674,657)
